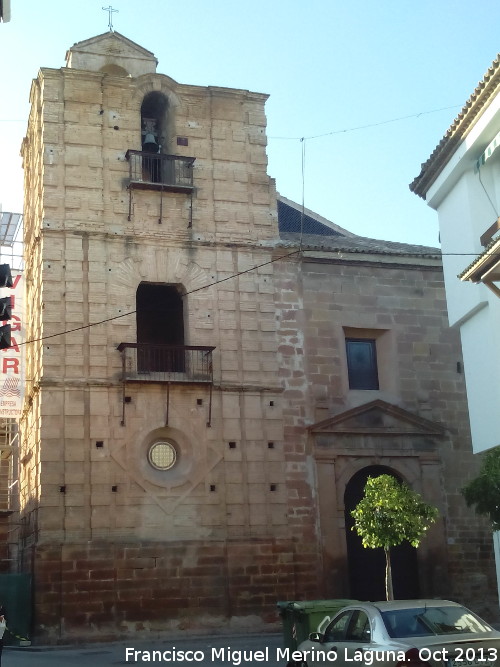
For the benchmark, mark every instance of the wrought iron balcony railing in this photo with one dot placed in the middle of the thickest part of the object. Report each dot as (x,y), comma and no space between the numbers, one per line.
(156,171)
(166,363)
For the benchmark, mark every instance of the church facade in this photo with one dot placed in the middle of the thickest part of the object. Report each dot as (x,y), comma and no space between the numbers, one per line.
(209,387)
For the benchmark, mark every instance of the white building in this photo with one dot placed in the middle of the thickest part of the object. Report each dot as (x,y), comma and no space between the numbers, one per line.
(4,11)
(461,181)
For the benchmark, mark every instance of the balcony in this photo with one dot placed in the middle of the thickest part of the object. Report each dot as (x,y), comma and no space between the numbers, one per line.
(156,171)
(166,363)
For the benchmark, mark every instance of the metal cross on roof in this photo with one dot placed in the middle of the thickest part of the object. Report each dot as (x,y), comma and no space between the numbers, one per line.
(110,11)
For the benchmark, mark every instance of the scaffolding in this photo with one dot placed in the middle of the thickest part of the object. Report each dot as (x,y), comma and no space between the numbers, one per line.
(9,435)
(11,252)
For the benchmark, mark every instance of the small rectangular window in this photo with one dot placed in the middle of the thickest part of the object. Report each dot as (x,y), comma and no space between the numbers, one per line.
(362,363)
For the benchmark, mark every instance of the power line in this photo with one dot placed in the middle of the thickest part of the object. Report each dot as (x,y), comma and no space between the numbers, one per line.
(303,141)
(234,275)
(132,312)
(364,127)
(486,193)
(326,134)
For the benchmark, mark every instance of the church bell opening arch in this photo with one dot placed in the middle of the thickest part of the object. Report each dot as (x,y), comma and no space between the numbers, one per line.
(154,117)
(366,567)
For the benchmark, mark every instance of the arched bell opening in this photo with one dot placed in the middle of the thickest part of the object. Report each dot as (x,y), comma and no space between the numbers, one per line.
(154,123)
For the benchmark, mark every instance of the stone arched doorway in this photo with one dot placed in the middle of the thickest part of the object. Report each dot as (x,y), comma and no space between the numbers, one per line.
(367,566)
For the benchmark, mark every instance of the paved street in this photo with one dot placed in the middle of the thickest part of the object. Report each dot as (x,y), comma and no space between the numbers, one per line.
(208,651)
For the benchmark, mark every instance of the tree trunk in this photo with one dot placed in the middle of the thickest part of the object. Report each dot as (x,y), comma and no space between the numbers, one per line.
(389,593)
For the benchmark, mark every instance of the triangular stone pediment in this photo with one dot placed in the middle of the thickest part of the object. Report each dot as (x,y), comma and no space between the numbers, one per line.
(108,49)
(377,417)
(110,41)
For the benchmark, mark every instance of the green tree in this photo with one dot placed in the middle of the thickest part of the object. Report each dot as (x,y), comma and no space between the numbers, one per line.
(388,514)
(484,490)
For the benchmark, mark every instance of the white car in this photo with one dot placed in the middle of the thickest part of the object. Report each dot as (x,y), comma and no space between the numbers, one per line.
(402,633)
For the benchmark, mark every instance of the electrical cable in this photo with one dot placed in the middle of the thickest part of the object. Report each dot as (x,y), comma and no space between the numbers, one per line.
(233,275)
(364,127)
(326,134)
(303,157)
(486,193)
(132,312)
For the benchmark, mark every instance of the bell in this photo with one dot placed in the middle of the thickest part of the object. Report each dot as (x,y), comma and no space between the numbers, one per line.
(149,144)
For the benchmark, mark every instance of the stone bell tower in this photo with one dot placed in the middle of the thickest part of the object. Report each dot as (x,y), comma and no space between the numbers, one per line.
(152,471)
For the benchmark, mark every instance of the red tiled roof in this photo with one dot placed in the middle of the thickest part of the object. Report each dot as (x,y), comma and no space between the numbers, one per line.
(486,89)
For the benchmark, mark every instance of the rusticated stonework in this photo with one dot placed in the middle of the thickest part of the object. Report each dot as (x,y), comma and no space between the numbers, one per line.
(252,509)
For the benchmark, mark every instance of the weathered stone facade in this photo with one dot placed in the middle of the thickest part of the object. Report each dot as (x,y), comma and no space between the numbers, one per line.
(252,510)
(415,425)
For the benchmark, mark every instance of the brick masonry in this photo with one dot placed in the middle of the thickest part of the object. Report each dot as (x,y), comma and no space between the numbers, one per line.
(148,588)
(402,306)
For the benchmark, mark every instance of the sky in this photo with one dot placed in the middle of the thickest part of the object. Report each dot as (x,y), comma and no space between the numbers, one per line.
(361,91)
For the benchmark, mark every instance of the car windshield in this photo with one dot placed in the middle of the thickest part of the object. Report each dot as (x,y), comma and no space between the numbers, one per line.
(423,621)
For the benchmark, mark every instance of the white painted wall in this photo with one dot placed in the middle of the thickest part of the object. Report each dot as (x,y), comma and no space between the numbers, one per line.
(468,203)
(481,353)
(460,244)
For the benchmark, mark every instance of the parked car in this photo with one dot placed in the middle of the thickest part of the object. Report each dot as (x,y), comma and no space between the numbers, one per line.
(402,633)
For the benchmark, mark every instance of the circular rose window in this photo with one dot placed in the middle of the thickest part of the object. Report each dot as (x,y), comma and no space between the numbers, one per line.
(162,455)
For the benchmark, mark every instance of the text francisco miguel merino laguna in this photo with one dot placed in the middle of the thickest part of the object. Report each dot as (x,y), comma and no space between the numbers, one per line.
(238,657)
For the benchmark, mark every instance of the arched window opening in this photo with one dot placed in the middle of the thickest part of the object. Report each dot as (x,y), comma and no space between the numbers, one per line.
(156,166)
(367,566)
(153,136)
(153,123)
(160,328)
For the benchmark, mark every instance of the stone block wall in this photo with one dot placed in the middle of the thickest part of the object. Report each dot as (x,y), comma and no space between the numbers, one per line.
(401,304)
(236,526)
(144,589)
